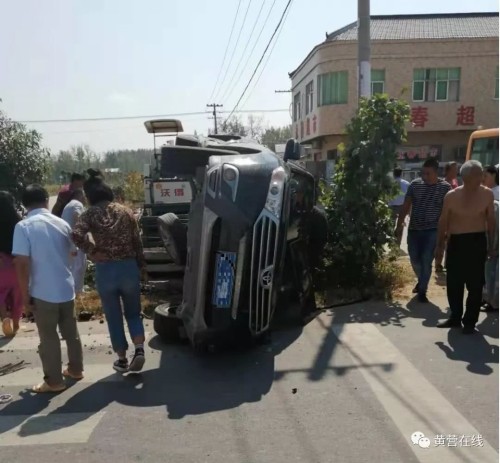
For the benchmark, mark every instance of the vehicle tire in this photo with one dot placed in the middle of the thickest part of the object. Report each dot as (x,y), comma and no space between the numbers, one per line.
(174,236)
(318,235)
(166,323)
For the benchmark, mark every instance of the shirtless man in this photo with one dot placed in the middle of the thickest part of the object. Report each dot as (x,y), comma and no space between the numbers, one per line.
(467,218)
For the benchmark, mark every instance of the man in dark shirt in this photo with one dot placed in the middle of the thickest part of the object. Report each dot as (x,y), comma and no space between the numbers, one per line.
(425,198)
(66,193)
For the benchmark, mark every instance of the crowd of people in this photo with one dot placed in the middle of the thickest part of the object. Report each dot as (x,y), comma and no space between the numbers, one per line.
(43,259)
(459,221)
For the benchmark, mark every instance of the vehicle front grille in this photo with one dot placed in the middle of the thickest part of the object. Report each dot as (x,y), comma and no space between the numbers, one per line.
(265,241)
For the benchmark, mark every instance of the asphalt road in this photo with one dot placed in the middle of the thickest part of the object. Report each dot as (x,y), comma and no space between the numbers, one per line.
(352,386)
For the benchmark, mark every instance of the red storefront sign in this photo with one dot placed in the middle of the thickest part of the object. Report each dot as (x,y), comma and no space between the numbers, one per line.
(465,115)
(419,116)
(418,153)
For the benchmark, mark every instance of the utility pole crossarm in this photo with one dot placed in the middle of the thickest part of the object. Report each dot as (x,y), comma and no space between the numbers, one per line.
(214,106)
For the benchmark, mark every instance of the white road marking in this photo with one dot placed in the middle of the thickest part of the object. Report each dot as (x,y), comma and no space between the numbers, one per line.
(411,401)
(31,342)
(59,428)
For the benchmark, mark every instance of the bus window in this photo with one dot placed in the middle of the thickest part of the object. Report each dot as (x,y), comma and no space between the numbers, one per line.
(485,150)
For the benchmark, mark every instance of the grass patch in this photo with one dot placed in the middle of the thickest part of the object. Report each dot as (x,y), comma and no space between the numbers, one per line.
(393,279)
(90,303)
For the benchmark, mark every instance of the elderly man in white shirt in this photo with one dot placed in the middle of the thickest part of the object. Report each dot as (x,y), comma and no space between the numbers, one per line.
(72,211)
(396,204)
(42,248)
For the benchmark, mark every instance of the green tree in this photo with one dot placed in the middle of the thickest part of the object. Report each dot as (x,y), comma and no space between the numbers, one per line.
(23,159)
(275,135)
(360,225)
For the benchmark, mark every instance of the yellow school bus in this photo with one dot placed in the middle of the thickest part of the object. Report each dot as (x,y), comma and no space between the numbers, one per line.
(483,147)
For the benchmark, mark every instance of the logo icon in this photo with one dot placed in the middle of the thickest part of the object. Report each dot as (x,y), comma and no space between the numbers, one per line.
(418,438)
(266,277)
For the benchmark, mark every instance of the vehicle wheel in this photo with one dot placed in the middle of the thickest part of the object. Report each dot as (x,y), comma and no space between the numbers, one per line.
(174,236)
(166,323)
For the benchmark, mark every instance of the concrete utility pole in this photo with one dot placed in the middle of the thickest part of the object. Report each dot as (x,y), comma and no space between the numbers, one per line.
(364,69)
(214,106)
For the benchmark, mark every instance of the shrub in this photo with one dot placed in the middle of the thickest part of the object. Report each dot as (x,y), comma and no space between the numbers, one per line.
(134,187)
(360,224)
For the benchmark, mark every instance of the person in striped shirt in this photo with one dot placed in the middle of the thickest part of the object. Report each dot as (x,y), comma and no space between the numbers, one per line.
(424,199)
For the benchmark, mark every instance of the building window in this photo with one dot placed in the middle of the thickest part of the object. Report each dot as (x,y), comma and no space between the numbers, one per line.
(378,81)
(296,107)
(309,97)
(442,84)
(496,85)
(331,155)
(332,88)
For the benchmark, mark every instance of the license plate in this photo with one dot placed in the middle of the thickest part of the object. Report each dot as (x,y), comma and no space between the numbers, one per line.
(225,264)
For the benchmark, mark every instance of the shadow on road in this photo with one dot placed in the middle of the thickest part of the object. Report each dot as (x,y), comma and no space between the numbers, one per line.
(185,383)
(473,350)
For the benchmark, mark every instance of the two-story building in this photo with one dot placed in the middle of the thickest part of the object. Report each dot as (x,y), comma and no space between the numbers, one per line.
(444,65)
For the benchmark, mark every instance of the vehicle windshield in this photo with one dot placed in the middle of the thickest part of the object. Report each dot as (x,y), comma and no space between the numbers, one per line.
(485,150)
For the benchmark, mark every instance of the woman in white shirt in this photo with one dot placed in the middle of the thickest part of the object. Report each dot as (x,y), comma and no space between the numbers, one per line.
(71,213)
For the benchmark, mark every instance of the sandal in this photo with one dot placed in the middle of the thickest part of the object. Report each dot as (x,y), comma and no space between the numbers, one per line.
(7,327)
(67,374)
(44,387)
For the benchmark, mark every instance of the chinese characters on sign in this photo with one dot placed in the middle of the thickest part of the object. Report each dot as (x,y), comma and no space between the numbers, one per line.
(418,153)
(314,123)
(465,115)
(308,126)
(165,192)
(419,116)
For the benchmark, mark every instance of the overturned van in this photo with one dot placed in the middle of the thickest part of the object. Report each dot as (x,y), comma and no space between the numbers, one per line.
(249,244)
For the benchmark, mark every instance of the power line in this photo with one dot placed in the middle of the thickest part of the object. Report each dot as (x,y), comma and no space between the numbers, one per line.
(234,49)
(227,48)
(254,46)
(261,58)
(266,62)
(154,116)
(229,85)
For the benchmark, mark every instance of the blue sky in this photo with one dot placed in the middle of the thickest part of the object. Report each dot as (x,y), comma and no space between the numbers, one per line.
(63,59)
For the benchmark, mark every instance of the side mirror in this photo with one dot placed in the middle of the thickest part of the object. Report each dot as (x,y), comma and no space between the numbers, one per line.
(292,150)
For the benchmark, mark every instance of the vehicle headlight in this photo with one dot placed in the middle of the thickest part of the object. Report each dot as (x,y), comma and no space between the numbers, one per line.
(274,199)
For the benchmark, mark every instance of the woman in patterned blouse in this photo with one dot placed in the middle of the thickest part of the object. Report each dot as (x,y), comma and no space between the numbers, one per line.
(116,250)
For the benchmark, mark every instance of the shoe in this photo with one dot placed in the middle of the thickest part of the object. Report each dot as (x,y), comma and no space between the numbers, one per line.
(415,289)
(468,329)
(44,387)
(121,365)
(137,361)
(422,298)
(439,269)
(489,308)
(7,327)
(449,324)
(77,377)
